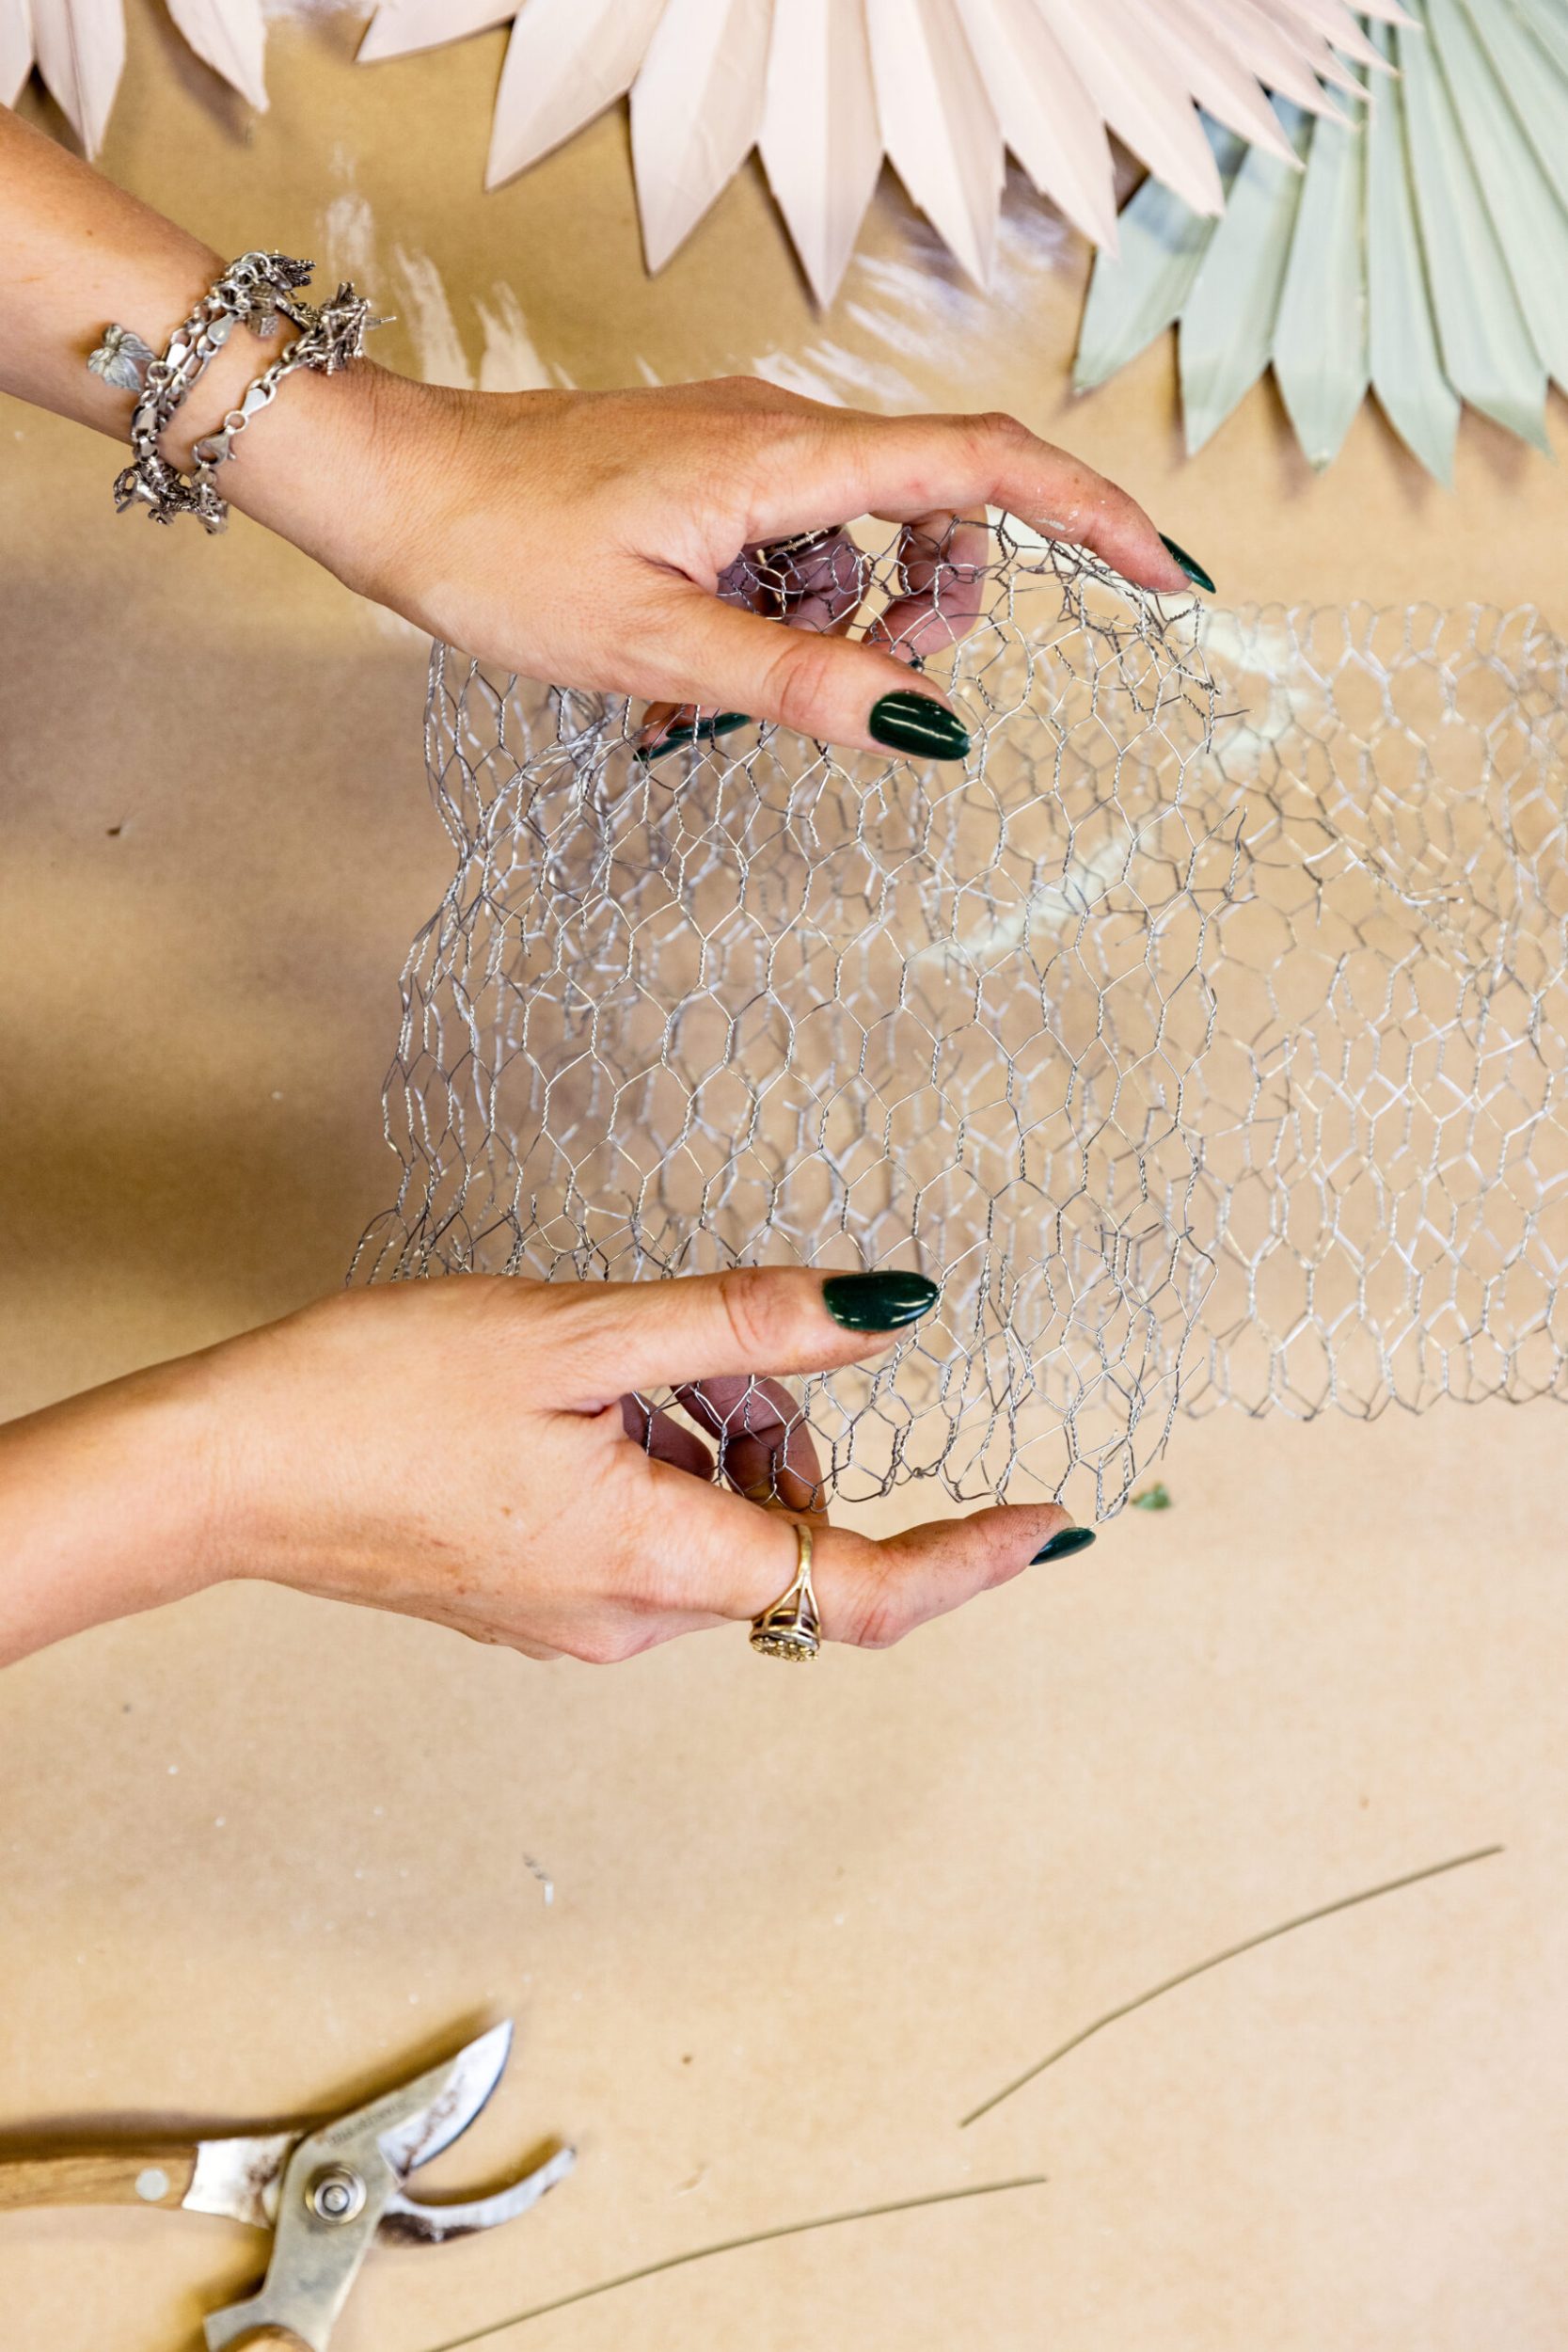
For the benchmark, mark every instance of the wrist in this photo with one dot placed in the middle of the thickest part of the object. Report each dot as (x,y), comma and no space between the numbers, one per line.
(320,467)
(109,1504)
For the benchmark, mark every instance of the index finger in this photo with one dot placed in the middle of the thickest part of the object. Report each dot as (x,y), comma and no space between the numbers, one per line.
(902,468)
(720,1557)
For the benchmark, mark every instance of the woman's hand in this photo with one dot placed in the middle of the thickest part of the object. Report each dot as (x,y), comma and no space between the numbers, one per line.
(584,537)
(461,1450)
(578,537)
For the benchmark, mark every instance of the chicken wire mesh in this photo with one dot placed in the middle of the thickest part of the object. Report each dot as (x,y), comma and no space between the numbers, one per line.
(1202,1033)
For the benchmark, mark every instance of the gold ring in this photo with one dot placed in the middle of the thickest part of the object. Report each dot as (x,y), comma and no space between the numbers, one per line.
(793,1627)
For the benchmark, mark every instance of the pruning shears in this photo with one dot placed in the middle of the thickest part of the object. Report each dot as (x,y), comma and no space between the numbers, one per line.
(323,2190)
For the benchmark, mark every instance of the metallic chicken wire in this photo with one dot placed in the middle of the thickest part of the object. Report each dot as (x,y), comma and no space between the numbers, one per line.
(1202,1033)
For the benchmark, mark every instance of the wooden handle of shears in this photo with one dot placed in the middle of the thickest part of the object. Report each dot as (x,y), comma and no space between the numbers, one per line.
(120,2176)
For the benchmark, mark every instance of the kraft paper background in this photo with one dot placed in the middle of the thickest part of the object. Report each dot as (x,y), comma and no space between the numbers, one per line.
(257,1854)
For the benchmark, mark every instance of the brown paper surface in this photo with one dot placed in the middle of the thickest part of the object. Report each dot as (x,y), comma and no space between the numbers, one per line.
(261,1853)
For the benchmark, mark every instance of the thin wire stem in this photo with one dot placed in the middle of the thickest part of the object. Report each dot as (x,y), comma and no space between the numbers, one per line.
(1232,1951)
(733,2245)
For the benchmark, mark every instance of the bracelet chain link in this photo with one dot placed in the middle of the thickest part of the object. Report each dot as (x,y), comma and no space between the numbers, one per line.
(257,290)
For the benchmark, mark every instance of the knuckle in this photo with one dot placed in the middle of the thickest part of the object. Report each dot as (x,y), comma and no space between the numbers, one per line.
(880,1627)
(760,1306)
(879,1615)
(601,1646)
(997,425)
(799,682)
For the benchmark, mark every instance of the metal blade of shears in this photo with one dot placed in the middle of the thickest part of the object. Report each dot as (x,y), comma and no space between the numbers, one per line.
(414,2224)
(468,2080)
(337,2187)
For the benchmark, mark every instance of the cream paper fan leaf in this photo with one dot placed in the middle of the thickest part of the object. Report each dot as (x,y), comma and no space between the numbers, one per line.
(16,50)
(696,112)
(78,47)
(943,89)
(231,37)
(1425,250)
(821,140)
(825,88)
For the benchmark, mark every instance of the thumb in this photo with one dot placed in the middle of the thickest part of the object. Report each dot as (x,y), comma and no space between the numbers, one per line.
(835,689)
(612,1337)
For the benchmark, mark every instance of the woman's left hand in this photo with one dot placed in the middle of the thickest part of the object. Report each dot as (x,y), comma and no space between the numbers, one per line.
(466,1450)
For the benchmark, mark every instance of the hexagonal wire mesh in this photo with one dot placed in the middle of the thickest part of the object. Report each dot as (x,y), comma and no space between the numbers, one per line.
(1202,1033)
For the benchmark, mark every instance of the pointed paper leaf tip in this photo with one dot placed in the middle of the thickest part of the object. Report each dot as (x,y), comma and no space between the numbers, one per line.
(1425,254)
(16,50)
(230,36)
(943,89)
(1320,339)
(821,142)
(938,128)
(696,112)
(566,61)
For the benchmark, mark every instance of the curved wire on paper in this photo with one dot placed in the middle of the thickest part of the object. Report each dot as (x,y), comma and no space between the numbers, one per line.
(1423,251)
(1204,1035)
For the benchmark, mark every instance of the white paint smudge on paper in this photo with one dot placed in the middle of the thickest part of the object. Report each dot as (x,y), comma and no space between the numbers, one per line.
(828,371)
(348,238)
(912,308)
(427,313)
(509,359)
(510,362)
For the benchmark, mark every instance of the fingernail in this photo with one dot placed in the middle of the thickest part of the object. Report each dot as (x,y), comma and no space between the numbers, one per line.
(878,1302)
(1064,1543)
(1195,572)
(705,730)
(914,723)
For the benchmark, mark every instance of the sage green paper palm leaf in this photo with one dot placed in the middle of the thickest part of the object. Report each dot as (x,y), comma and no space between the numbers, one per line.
(1423,250)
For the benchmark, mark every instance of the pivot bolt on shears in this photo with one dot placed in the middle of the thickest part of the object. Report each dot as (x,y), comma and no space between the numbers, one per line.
(323,2190)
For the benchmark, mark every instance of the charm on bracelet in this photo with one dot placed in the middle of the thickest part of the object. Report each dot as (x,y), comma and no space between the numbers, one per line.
(122,359)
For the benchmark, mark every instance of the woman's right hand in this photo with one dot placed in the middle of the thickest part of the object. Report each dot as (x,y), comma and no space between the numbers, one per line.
(588,538)
(460,1450)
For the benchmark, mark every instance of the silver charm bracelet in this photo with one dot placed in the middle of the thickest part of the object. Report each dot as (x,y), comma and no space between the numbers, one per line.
(257,290)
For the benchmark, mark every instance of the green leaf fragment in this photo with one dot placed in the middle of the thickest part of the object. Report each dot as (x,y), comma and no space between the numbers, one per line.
(1134,295)
(1320,339)
(1401,336)
(1228,322)
(1528,218)
(1488,354)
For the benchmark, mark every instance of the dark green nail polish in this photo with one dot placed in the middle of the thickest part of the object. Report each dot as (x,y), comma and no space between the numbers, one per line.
(1064,1543)
(1195,572)
(914,723)
(704,732)
(878,1302)
(670,742)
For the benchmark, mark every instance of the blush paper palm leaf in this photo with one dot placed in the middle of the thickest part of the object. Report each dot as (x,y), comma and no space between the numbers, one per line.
(941,88)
